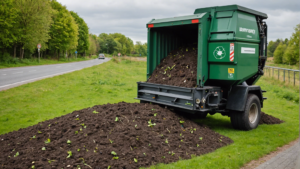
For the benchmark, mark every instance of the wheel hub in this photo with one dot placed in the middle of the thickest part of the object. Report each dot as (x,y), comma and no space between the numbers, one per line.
(253,113)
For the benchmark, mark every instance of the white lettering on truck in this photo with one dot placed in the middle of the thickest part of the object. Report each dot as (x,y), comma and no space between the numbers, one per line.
(247,30)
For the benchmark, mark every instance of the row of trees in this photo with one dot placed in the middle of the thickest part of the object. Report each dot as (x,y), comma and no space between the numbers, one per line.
(286,51)
(26,23)
(119,43)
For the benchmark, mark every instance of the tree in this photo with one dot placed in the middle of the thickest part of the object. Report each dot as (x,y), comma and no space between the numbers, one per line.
(140,48)
(83,33)
(8,15)
(64,30)
(33,23)
(291,55)
(278,54)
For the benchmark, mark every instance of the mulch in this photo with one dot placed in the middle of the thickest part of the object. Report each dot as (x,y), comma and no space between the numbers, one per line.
(268,119)
(179,68)
(109,136)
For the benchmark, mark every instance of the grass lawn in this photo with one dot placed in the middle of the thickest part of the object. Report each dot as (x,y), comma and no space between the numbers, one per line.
(34,62)
(113,82)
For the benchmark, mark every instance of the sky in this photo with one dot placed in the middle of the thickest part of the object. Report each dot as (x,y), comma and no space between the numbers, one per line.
(129,17)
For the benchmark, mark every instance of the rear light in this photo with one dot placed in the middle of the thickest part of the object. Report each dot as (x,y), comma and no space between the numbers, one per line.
(195,20)
(150,25)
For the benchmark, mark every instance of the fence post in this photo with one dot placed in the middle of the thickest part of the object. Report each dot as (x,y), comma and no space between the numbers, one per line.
(273,72)
(283,75)
(289,75)
(278,73)
(294,77)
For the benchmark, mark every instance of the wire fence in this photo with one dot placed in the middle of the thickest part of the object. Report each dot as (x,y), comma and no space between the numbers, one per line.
(290,76)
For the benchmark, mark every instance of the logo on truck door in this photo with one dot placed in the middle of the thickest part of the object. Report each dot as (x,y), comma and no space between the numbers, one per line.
(219,52)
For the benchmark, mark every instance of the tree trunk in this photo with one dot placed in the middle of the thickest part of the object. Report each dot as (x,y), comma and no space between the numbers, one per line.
(58,55)
(15,50)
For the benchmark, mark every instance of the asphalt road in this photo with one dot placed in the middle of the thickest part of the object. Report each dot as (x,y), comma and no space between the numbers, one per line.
(12,77)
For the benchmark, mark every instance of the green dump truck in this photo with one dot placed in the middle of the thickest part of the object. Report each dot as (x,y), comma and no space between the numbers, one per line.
(232,50)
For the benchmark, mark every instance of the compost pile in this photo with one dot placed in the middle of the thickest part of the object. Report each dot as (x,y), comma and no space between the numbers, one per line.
(268,119)
(123,135)
(179,68)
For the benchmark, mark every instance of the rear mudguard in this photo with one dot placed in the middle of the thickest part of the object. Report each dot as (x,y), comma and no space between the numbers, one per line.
(238,96)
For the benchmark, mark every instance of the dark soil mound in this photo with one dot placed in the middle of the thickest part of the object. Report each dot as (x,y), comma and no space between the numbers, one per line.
(268,119)
(120,136)
(179,68)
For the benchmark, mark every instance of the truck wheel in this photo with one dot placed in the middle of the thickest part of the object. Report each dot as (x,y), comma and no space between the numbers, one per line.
(250,117)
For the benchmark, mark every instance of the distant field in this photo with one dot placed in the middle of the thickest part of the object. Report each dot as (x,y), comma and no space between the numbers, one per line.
(115,81)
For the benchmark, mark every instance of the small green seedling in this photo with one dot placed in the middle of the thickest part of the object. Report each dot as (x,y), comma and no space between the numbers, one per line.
(50,161)
(220,140)
(115,158)
(78,149)
(200,138)
(49,125)
(110,141)
(33,136)
(153,109)
(82,124)
(95,151)
(117,119)
(84,127)
(108,167)
(173,153)
(135,125)
(76,132)
(95,112)
(77,119)
(39,132)
(198,145)
(163,157)
(135,160)
(17,154)
(167,141)
(180,134)
(33,166)
(113,153)
(155,114)
(144,154)
(69,142)
(151,124)
(149,144)
(44,148)
(181,122)
(70,154)
(80,129)
(137,139)
(47,141)
(181,140)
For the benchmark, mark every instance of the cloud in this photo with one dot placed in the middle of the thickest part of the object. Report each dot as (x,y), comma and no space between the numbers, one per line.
(129,17)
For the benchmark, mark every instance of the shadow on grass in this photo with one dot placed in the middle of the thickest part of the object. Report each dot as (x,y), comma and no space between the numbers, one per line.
(217,122)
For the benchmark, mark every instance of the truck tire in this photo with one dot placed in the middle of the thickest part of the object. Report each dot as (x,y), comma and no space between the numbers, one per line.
(250,117)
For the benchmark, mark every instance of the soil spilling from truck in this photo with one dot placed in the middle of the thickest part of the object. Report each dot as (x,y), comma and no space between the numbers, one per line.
(123,135)
(179,68)
(268,119)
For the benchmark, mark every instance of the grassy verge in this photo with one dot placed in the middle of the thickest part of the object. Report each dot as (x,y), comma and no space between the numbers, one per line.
(271,63)
(45,99)
(115,81)
(34,62)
